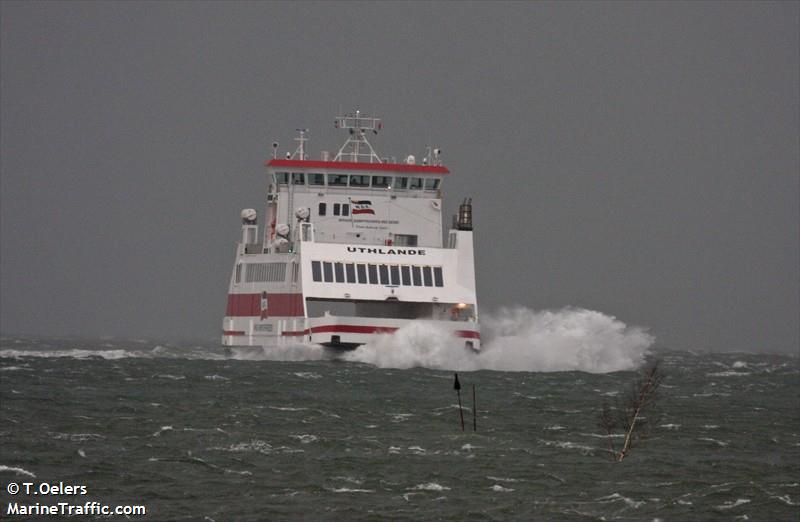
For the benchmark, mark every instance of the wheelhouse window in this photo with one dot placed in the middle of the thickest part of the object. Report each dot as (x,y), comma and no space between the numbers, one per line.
(322,209)
(281,178)
(405,271)
(350,272)
(298,178)
(384,271)
(416,183)
(316,271)
(394,271)
(361,269)
(338,270)
(315,178)
(327,271)
(359,181)
(336,209)
(432,184)
(337,180)
(400,182)
(417,273)
(438,280)
(427,275)
(373,274)
(345,209)
(381,181)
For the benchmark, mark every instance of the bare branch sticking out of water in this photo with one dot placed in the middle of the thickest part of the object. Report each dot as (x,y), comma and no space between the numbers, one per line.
(628,419)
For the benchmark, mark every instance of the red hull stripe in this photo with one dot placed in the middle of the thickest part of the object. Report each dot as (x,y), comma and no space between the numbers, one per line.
(233,332)
(279,305)
(348,165)
(358,329)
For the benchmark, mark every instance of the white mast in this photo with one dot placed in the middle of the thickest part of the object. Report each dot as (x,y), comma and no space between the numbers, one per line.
(357,125)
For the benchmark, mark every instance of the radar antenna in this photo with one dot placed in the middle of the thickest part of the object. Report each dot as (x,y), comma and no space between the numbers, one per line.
(356,146)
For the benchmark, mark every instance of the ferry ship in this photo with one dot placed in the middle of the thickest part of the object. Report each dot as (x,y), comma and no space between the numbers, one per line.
(351,248)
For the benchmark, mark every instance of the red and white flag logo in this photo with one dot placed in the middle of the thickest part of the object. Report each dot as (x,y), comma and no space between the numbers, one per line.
(363,207)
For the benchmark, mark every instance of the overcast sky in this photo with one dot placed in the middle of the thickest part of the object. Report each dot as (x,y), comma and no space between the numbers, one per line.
(639,159)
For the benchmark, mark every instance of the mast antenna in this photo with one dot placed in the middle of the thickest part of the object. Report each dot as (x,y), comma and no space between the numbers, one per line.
(300,152)
(357,147)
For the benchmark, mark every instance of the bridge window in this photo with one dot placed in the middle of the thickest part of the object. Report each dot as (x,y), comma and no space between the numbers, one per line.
(437,276)
(426,273)
(298,178)
(316,178)
(350,271)
(362,273)
(394,271)
(384,271)
(373,274)
(417,273)
(401,182)
(432,184)
(337,180)
(281,178)
(406,273)
(322,209)
(338,270)
(405,240)
(381,181)
(327,271)
(336,207)
(359,181)
(316,271)
(416,184)
(345,209)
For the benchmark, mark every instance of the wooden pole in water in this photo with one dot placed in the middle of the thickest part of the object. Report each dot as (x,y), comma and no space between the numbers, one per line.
(457,388)
(474,410)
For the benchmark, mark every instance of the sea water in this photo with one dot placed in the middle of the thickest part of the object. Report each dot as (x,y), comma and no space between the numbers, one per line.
(299,433)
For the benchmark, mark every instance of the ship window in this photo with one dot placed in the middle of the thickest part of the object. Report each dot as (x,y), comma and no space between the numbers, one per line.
(362,272)
(327,271)
(281,178)
(437,276)
(338,269)
(316,271)
(337,180)
(416,184)
(415,271)
(298,178)
(426,272)
(381,181)
(238,278)
(384,271)
(431,184)
(322,209)
(405,240)
(345,209)
(394,271)
(401,182)
(373,274)
(350,270)
(406,272)
(316,179)
(336,209)
(359,181)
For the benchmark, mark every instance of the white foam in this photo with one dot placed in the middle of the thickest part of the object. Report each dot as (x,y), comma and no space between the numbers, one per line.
(18,471)
(731,505)
(501,489)
(516,339)
(430,486)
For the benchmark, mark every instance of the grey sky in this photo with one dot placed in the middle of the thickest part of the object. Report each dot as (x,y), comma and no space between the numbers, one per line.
(640,159)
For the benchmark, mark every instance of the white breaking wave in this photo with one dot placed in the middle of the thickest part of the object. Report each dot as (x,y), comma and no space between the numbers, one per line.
(517,339)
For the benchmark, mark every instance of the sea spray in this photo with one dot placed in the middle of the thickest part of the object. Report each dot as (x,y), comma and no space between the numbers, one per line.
(517,339)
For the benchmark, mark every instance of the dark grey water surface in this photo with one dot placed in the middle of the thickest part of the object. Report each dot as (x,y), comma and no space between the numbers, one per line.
(194,436)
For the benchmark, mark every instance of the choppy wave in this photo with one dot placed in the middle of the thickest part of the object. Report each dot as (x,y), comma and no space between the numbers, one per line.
(518,339)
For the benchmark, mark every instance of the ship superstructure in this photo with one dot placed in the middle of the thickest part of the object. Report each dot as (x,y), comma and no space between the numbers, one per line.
(351,247)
